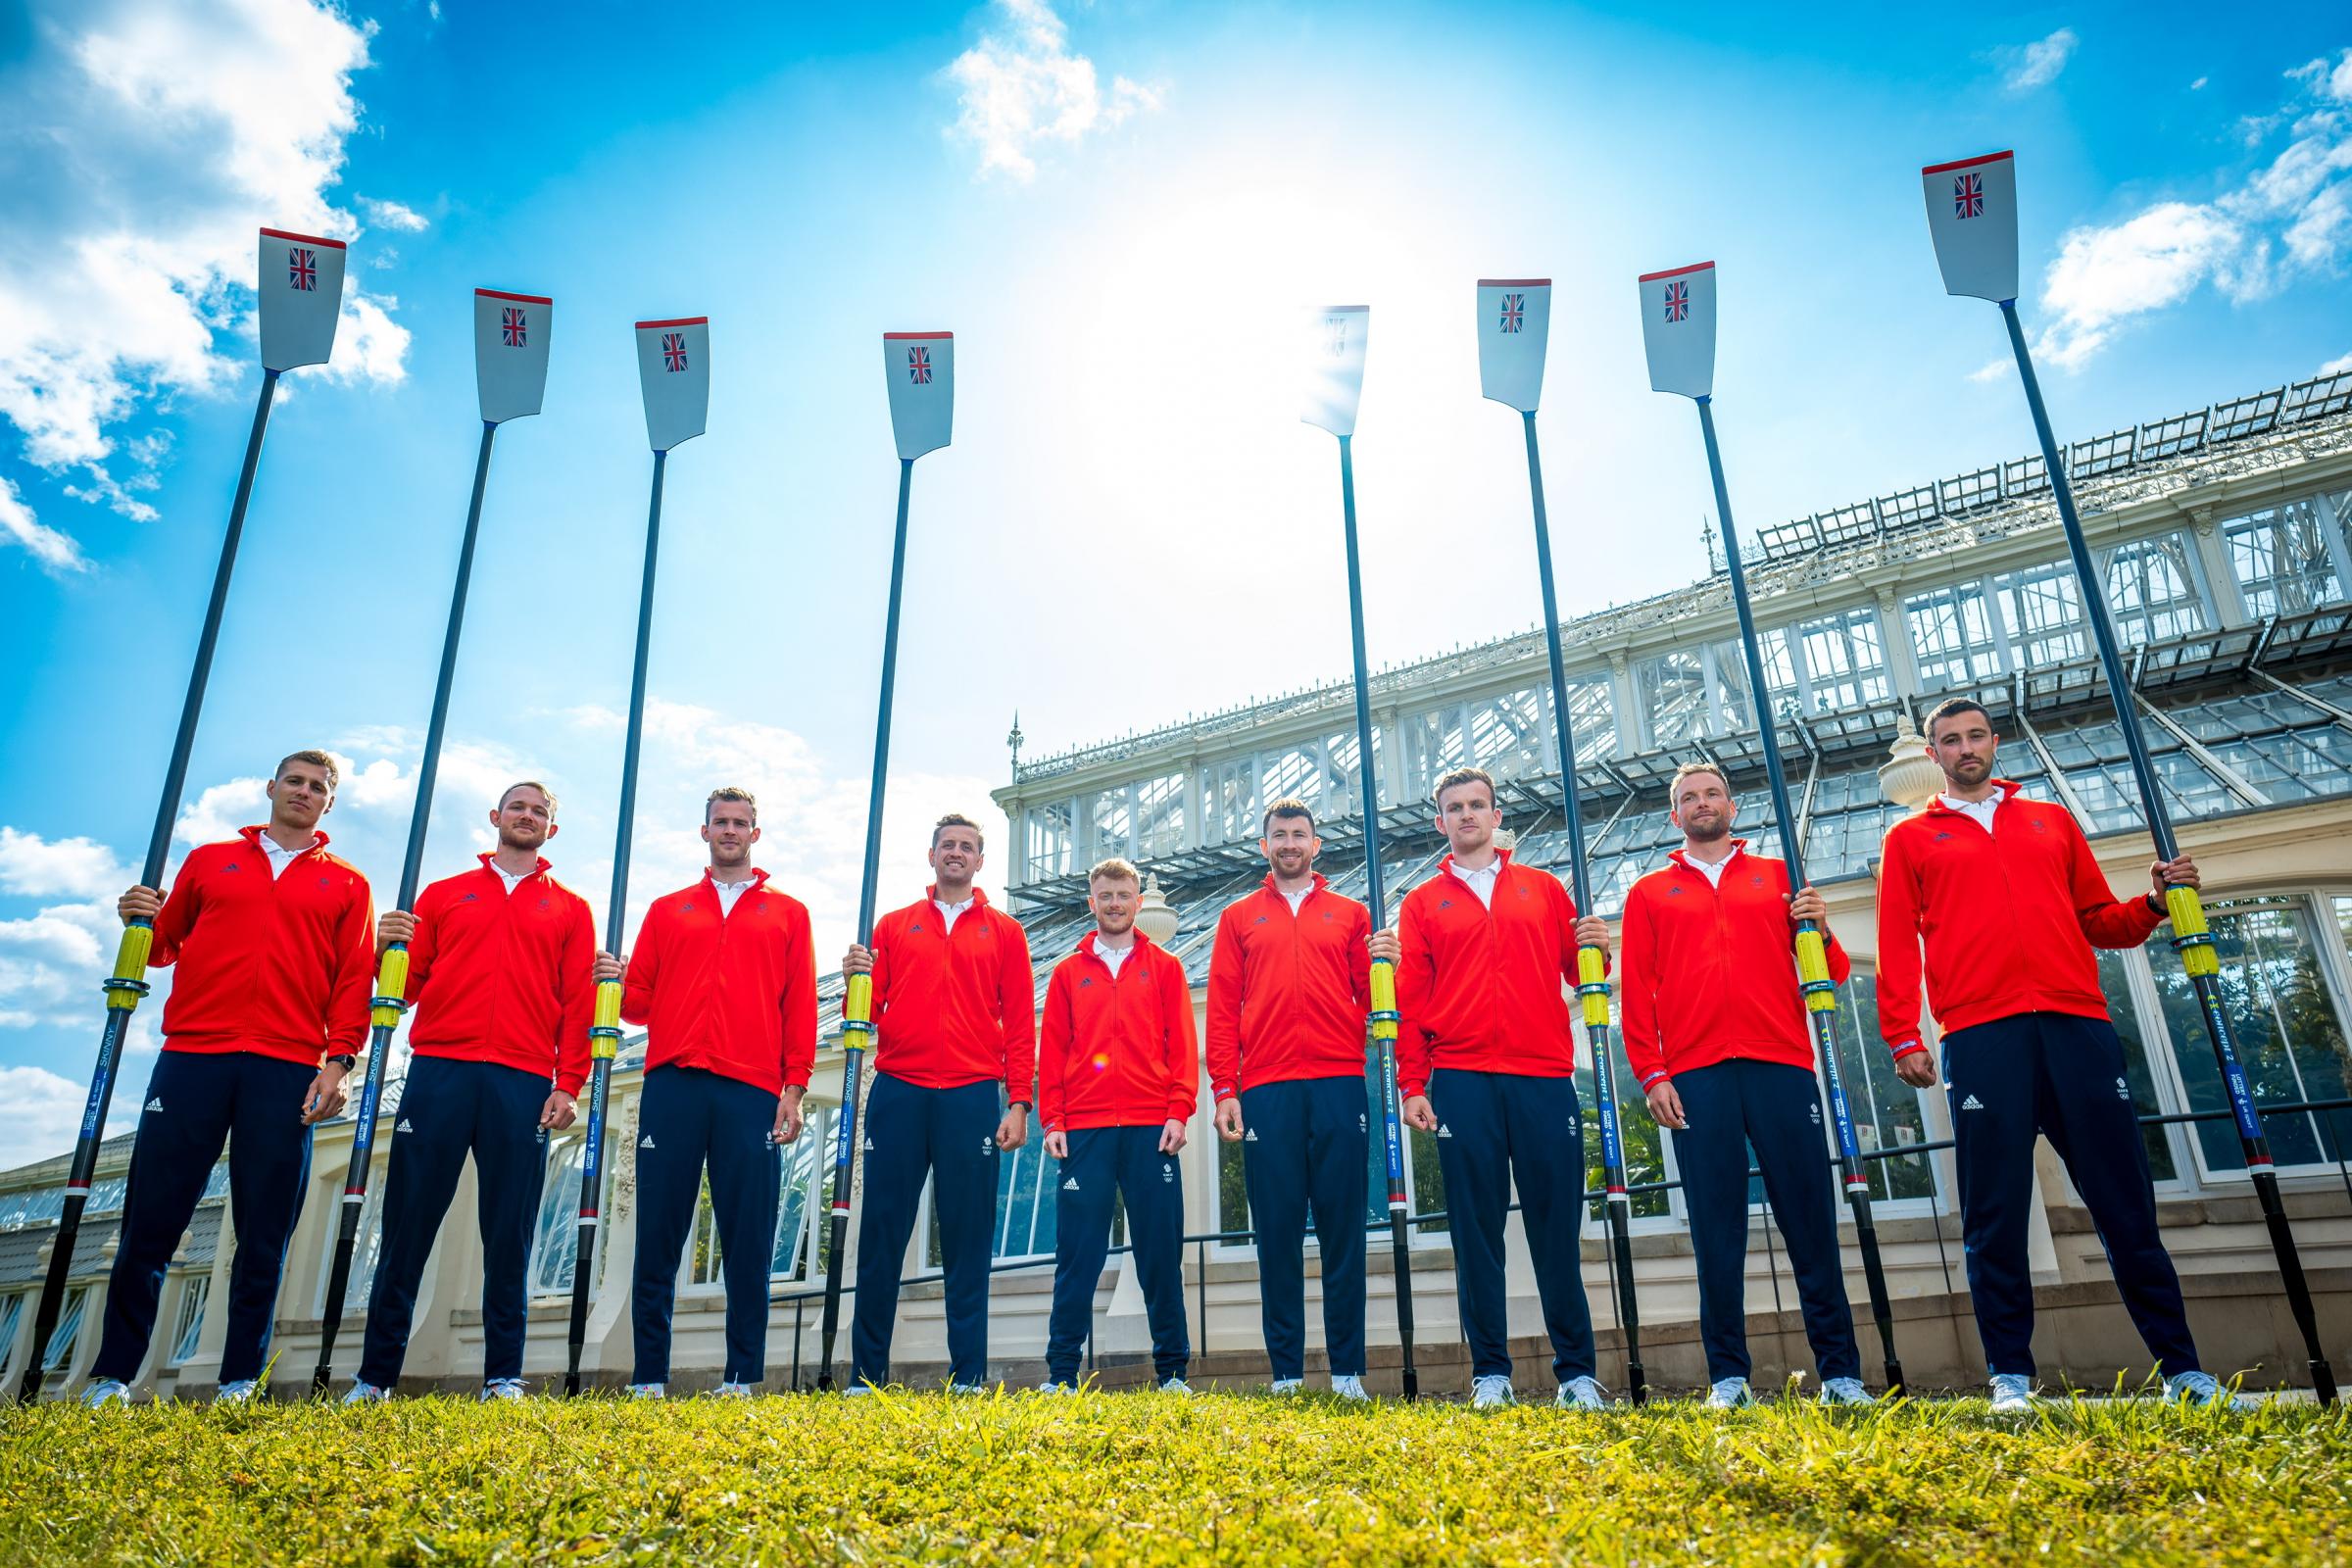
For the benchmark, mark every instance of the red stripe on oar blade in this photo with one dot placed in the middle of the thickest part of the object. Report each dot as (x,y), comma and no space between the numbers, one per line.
(1674,272)
(1335,310)
(520,299)
(1966,163)
(896,337)
(1514,282)
(307,239)
(683,320)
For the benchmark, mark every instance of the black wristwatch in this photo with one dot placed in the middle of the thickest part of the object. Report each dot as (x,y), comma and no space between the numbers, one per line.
(2155,903)
(346,1063)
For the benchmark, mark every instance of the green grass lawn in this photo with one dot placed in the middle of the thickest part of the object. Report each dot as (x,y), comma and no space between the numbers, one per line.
(1146,1478)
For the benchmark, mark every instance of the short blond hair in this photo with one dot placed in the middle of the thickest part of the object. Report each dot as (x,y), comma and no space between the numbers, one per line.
(730,792)
(317,759)
(958,819)
(1460,776)
(1674,784)
(545,792)
(1114,870)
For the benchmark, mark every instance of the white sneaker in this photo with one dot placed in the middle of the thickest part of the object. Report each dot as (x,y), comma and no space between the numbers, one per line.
(366,1393)
(1730,1394)
(504,1388)
(241,1391)
(649,1391)
(967,1388)
(1845,1390)
(1287,1385)
(1349,1386)
(1580,1394)
(1175,1386)
(1491,1392)
(856,1389)
(732,1391)
(106,1392)
(2202,1389)
(2012,1393)
(1051,1387)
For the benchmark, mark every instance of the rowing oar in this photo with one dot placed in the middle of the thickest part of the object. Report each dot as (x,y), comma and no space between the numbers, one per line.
(301,288)
(1972,214)
(673,371)
(1335,385)
(1678,326)
(919,370)
(1514,323)
(510,362)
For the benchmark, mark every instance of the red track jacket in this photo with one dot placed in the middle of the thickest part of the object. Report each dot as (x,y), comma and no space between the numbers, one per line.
(1288,993)
(1483,991)
(734,994)
(1709,972)
(1118,1052)
(279,967)
(2009,917)
(957,1006)
(504,977)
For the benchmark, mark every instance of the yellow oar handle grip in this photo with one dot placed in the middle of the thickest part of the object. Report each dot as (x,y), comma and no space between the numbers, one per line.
(604,1035)
(1385,1016)
(391,998)
(1813,971)
(129,982)
(1593,986)
(2191,939)
(857,1013)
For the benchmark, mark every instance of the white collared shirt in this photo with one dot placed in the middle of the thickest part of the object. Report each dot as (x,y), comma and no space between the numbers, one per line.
(512,882)
(1712,871)
(949,913)
(1293,900)
(1113,958)
(279,855)
(728,893)
(1978,811)
(1482,881)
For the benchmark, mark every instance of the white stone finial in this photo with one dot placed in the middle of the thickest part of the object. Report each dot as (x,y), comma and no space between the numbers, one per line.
(1154,915)
(1909,777)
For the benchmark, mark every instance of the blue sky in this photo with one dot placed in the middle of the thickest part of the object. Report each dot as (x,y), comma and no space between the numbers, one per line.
(1120,209)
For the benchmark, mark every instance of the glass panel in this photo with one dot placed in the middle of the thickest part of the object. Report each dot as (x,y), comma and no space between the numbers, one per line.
(802,1157)
(372,1237)
(1733,708)
(1026,1183)
(1433,747)
(2044,606)
(1888,1112)
(2282,560)
(2290,1035)
(1105,820)
(67,1330)
(1049,841)
(1230,799)
(12,1312)
(1160,815)
(1593,717)
(1845,660)
(1952,632)
(701,1246)
(1232,1190)
(1343,789)
(2114,981)
(1643,1140)
(1508,735)
(1673,690)
(2152,587)
(192,1299)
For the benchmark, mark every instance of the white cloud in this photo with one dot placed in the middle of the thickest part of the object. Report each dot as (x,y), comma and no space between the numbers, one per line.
(2337,365)
(1020,87)
(2038,63)
(2288,221)
(393,214)
(46,869)
(2198,85)
(44,1115)
(19,527)
(160,134)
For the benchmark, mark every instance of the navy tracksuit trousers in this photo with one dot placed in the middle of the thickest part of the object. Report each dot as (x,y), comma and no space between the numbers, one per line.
(197,1101)
(1776,1109)
(687,1118)
(449,1109)
(2062,1077)
(1307,1148)
(1106,1162)
(1494,1128)
(950,1136)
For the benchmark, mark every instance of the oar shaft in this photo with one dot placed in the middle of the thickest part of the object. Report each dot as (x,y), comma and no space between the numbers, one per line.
(2190,936)
(604,1035)
(857,1000)
(128,983)
(1384,1015)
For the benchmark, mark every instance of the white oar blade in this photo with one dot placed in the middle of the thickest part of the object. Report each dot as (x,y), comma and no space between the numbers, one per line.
(1972,215)
(1515,321)
(673,368)
(1334,374)
(301,298)
(919,368)
(1678,328)
(511,333)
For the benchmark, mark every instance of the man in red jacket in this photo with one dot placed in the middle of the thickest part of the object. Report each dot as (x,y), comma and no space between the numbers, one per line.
(1288,990)
(1485,1060)
(724,979)
(955,1073)
(1118,1078)
(499,964)
(268,1009)
(2009,902)
(1717,1036)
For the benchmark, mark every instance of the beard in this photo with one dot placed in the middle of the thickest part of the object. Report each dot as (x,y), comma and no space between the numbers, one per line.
(1713,832)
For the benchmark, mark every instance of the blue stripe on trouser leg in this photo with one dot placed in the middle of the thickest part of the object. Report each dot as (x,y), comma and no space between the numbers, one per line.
(1775,1109)
(1497,1128)
(1125,1160)
(253,1104)
(1306,1146)
(688,1118)
(950,1136)
(450,1109)
(2062,1077)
